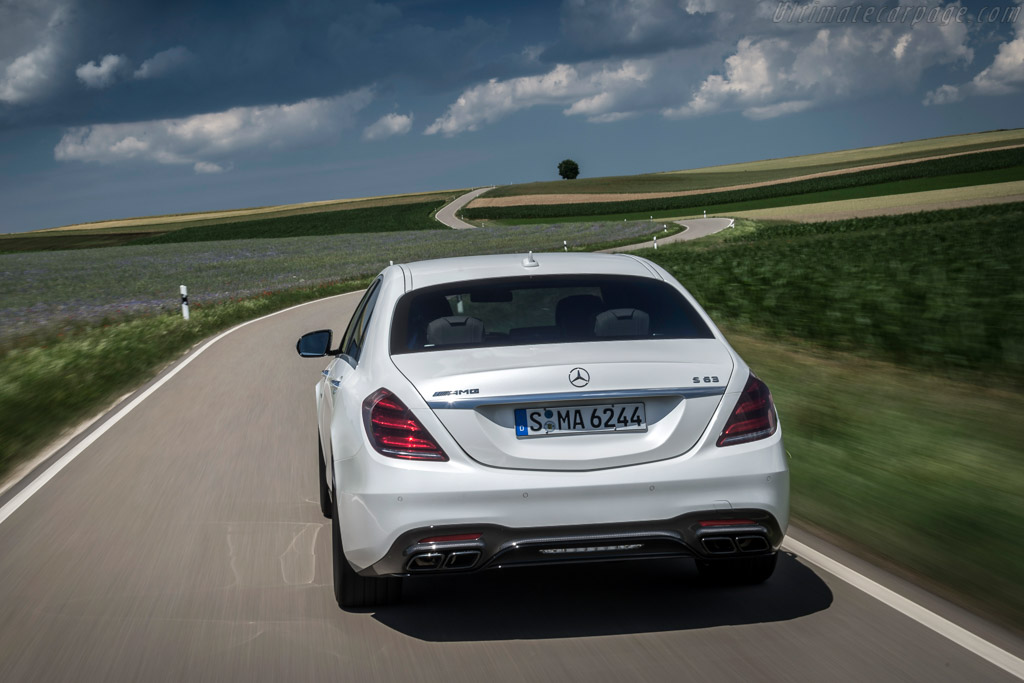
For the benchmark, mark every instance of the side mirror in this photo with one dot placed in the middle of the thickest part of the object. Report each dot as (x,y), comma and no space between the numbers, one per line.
(314,344)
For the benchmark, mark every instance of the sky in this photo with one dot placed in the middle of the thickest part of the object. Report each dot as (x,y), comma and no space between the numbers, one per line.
(120,108)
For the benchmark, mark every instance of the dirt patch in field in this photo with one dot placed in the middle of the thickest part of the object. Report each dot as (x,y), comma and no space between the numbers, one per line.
(883,211)
(547,199)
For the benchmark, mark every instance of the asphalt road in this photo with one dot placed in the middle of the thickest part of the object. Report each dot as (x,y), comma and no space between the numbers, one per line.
(186,544)
(446,214)
(695,228)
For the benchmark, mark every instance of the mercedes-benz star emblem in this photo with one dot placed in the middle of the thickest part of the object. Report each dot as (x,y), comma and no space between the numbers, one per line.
(578,377)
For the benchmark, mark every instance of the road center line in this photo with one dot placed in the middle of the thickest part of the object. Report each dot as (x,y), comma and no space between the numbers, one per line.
(944,627)
(22,496)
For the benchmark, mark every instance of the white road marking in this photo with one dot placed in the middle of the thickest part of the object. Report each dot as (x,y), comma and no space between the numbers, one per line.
(944,627)
(22,496)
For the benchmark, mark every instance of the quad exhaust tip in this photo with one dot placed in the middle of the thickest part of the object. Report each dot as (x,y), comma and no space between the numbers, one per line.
(729,545)
(426,562)
(719,545)
(460,559)
(752,544)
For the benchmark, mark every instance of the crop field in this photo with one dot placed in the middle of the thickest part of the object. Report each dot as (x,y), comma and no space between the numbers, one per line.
(941,290)
(768,170)
(404,212)
(174,221)
(47,292)
(957,197)
(396,218)
(1009,162)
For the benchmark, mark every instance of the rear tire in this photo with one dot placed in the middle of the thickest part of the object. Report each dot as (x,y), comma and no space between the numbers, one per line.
(325,493)
(738,571)
(351,589)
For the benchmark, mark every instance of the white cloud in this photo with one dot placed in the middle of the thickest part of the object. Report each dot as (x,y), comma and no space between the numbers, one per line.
(204,139)
(163,63)
(210,167)
(113,68)
(946,94)
(29,76)
(771,77)
(103,75)
(772,110)
(388,125)
(34,74)
(1005,75)
(594,92)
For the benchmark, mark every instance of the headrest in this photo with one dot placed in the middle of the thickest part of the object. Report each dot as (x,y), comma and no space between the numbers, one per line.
(622,322)
(455,329)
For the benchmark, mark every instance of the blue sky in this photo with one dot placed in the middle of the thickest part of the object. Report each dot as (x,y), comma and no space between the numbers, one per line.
(120,108)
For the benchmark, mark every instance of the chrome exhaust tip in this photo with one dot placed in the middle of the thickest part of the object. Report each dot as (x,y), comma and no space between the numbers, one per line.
(752,544)
(718,545)
(463,559)
(425,562)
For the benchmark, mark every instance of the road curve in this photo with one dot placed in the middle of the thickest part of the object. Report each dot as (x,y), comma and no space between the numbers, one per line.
(695,227)
(186,544)
(446,214)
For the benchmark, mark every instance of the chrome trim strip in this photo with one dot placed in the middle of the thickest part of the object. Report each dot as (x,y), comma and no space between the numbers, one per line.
(477,401)
(590,538)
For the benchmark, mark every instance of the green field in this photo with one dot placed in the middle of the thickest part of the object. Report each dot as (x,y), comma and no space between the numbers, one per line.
(926,289)
(768,170)
(378,215)
(1000,166)
(167,222)
(396,218)
(895,349)
(909,202)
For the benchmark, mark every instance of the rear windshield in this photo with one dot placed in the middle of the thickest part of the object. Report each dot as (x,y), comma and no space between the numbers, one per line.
(542,310)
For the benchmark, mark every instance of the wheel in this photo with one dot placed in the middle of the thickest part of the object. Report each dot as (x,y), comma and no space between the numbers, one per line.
(353,590)
(738,571)
(325,493)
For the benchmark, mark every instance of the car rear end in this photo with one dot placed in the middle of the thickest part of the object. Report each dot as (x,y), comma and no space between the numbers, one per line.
(578,409)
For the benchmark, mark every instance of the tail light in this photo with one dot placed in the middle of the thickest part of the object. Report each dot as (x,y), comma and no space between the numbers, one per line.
(754,416)
(395,432)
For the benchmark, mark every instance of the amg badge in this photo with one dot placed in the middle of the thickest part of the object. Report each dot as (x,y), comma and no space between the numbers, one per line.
(457,392)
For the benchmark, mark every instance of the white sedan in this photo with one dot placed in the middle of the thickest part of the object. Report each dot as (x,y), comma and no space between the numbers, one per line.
(496,411)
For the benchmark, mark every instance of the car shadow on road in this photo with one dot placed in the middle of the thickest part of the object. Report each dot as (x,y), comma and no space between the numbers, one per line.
(596,600)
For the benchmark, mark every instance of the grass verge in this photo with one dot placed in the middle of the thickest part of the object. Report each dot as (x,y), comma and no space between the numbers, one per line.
(922,471)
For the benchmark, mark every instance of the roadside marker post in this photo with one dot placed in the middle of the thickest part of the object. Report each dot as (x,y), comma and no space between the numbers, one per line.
(565,245)
(655,241)
(184,302)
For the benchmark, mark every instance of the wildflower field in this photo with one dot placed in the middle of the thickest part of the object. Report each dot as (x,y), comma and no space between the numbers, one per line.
(48,292)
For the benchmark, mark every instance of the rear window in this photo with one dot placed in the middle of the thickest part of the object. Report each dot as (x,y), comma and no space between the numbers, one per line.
(542,310)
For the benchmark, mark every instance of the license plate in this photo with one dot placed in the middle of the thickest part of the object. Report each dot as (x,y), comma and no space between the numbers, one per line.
(545,421)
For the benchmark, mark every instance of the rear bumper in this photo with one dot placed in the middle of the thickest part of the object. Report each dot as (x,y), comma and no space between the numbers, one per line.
(387,506)
(754,532)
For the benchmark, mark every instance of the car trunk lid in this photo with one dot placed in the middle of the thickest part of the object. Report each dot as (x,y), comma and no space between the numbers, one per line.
(475,393)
